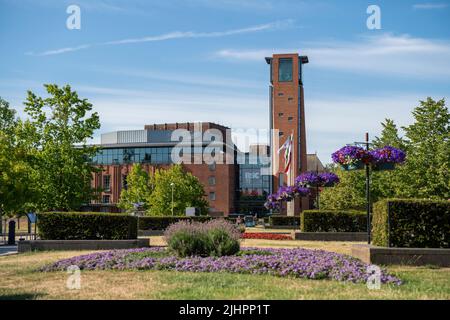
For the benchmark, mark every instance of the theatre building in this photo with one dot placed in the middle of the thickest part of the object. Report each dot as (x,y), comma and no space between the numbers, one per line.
(238,184)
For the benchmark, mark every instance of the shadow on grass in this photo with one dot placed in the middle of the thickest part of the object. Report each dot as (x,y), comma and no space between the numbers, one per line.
(20,295)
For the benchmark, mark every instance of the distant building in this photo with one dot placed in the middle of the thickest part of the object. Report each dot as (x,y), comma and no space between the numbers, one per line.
(239,182)
(314,163)
(152,147)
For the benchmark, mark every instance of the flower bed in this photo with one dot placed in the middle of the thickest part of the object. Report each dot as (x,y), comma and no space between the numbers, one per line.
(265,235)
(298,263)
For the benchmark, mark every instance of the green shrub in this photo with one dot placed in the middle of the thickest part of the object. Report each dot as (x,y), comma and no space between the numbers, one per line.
(86,226)
(284,221)
(213,238)
(161,223)
(414,223)
(333,221)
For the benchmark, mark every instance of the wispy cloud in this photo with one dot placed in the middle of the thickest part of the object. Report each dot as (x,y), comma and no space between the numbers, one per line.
(384,54)
(173,35)
(197,79)
(430,6)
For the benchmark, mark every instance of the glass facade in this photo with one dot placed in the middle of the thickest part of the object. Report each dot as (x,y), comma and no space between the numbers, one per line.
(252,181)
(156,155)
(284,69)
(254,186)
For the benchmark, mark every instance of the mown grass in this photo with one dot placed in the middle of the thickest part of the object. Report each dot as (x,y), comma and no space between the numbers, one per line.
(19,280)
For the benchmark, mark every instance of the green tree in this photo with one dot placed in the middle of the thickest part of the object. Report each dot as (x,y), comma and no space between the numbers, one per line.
(386,184)
(349,193)
(61,125)
(187,192)
(425,173)
(389,136)
(138,190)
(16,186)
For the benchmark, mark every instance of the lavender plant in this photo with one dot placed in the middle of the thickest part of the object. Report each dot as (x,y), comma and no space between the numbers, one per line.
(213,238)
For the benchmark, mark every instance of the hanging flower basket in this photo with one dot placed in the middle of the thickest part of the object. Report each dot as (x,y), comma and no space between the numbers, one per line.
(287,193)
(328,179)
(386,158)
(272,205)
(301,191)
(351,158)
(353,166)
(307,179)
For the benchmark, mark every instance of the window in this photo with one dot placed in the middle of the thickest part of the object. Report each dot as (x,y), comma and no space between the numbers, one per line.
(124,181)
(280,114)
(281,133)
(285,70)
(212,181)
(106,198)
(107,183)
(212,196)
(290,119)
(212,166)
(280,94)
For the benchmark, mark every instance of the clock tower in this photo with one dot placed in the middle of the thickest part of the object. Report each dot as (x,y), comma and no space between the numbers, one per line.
(287,122)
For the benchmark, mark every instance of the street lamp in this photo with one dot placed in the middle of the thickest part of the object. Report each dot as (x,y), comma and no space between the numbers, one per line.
(172,185)
(367,144)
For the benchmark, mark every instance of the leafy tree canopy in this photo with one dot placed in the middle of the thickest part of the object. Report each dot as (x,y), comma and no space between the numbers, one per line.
(61,125)
(138,189)
(187,192)
(425,173)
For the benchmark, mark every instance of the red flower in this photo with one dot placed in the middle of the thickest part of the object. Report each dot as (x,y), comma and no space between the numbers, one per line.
(265,236)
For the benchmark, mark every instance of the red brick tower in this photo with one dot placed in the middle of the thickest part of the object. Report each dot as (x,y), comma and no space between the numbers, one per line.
(287,116)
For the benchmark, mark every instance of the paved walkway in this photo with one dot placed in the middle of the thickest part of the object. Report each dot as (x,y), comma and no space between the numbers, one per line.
(7,250)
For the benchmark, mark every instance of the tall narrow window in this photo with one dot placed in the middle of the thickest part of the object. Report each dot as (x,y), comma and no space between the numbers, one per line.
(124,181)
(285,69)
(107,183)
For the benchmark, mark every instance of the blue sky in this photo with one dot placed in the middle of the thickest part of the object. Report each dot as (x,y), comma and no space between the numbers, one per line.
(142,62)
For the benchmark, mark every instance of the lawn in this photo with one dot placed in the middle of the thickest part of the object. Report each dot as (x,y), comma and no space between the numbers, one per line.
(18,279)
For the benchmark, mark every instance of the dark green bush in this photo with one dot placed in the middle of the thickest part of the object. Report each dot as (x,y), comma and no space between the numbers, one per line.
(284,221)
(86,226)
(213,238)
(333,221)
(414,223)
(161,223)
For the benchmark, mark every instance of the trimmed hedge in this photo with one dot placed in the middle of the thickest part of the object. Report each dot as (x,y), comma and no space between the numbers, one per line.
(284,221)
(161,223)
(86,226)
(414,223)
(333,221)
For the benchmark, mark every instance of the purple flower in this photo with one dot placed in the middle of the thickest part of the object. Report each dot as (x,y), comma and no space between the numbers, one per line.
(298,263)
(301,191)
(387,154)
(272,205)
(350,155)
(328,179)
(307,179)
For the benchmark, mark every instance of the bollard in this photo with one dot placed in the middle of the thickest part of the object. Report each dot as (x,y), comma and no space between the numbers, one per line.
(12,233)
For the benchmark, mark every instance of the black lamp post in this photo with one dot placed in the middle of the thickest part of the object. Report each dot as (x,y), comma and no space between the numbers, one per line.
(367,144)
